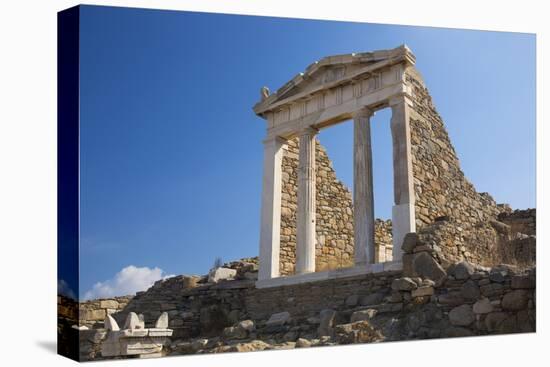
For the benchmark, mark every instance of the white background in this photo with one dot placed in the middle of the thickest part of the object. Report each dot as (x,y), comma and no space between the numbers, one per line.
(28,181)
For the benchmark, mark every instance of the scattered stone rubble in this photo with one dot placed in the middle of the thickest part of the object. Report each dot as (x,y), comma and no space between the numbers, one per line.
(422,301)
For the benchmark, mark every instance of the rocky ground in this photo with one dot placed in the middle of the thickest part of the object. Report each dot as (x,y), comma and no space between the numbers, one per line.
(223,311)
(278,333)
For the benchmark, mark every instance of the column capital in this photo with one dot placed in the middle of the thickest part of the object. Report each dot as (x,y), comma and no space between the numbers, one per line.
(308,130)
(274,139)
(363,112)
(399,99)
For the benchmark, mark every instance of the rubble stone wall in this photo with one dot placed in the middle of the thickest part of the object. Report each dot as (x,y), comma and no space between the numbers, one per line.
(92,313)
(521,221)
(334,227)
(466,300)
(383,250)
(441,188)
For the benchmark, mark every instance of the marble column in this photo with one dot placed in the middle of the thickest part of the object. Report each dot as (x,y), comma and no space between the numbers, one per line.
(363,197)
(403,216)
(305,216)
(270,222)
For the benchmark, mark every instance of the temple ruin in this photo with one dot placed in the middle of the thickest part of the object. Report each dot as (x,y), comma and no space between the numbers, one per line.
(428,182)
(450,262)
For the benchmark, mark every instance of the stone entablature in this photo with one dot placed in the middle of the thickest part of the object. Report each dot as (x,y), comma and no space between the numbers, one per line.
(332,89)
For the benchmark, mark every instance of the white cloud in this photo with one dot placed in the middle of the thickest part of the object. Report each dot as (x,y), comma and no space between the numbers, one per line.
(129,280)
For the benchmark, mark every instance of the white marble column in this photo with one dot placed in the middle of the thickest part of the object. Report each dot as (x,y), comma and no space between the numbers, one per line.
(403,216)
(270,222)
(305,236)
(363,197)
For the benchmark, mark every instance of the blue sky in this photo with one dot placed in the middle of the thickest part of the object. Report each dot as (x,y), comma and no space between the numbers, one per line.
(171,153)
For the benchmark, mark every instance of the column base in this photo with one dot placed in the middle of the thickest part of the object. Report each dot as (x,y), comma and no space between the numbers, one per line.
(403,222)
(330,274)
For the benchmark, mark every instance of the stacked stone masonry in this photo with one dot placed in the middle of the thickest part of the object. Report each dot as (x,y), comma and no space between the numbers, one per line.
(465,300)
(334,222)
(441,188)
(92,313)
(520,221)
(445,201)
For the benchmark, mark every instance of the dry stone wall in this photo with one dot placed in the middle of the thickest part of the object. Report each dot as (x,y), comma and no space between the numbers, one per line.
(441,189)
(520,221)
(67,335)
(440,185)
(334,227)
(383,250)
(423,301)
(92,313)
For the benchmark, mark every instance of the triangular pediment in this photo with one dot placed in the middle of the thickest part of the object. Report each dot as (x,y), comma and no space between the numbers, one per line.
(330,71)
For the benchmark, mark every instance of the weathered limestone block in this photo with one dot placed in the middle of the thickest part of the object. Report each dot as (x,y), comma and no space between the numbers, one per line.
(111,324)
(247,325)
(498,274)
(110,303)
(483,306)
(422,264)
(132,321)
(134,339)
(93,315)
(252,346)
(357,332)
(218,274)
(234,332)
(462,270)
(162,321)
(189,281)
(303,343)
(470,290)
(240,331)
(403,284)
(462,315)
(422,291)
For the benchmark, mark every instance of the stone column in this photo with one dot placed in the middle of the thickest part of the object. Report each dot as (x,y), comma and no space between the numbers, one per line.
(270,222)
(363,197)
(403,216)
(305,236)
